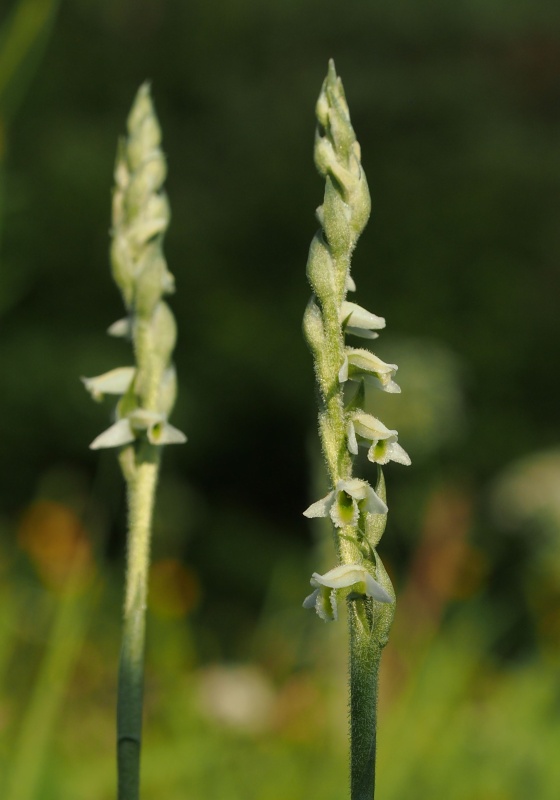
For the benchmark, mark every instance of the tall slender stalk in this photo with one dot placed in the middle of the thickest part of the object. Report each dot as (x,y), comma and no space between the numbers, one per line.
(141,497)
(147,394)
(358,512)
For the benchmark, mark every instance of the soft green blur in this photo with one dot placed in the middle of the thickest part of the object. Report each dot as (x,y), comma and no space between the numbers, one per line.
(456,108)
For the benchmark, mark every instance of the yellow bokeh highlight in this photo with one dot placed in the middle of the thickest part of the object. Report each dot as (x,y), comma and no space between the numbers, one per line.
(57,543)
(174,588)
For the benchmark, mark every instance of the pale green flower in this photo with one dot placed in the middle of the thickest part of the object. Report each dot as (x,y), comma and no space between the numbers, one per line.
(359,322)
(140,421)
(359,364)
(324,598)
(343,503)
(116,381)
(382,442)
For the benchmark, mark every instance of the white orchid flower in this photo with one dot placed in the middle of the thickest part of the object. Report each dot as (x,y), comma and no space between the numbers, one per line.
(359,322)
(359,364)
(127,429)
(342,504)
(324,597)
(116,381)
(382,441)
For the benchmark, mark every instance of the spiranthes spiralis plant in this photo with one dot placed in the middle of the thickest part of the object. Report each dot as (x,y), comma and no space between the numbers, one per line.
(147,393)
(357,510)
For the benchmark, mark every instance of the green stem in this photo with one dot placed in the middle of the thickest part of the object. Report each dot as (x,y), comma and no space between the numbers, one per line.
(365,656)
(141,496)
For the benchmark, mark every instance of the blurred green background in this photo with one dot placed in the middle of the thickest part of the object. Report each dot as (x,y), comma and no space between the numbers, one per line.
(457,108)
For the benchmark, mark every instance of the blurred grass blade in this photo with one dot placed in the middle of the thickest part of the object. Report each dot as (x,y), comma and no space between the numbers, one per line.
(31,745)
(23,38)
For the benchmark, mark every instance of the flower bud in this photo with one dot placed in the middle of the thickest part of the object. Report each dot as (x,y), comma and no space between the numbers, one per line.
(320,268)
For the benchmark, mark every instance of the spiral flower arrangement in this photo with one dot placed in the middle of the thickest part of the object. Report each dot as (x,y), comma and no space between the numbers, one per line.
(147,394)
(357,509)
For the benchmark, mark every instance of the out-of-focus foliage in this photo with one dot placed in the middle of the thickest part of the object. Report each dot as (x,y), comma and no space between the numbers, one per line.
(23,36)
(456,721)
(456,107)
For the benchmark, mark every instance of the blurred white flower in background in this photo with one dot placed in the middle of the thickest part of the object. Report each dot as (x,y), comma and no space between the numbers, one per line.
(527,493)
(239,696)
(430,412)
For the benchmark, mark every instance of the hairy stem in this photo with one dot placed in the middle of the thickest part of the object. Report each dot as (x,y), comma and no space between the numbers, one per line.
(365,656)
(141,496)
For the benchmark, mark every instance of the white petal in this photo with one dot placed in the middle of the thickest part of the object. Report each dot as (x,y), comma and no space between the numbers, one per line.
(376,591)
(348,575)
(122,327)
(309,601)
(358,317)
(351,436)
(118,434)
(341,576)
(350,283)
(361,332)
(321,508)
(388,386)
(375,504)
(398,454)
(365,361)
(369,427)
(355,487)
(166,435)
(116,381)
(391,387)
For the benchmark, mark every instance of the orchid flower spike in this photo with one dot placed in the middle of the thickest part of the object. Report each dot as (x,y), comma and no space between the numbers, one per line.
(146,392)
(140,219)
(356,510)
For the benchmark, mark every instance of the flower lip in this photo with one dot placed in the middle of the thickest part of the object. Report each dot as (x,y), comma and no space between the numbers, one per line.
(158,430)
